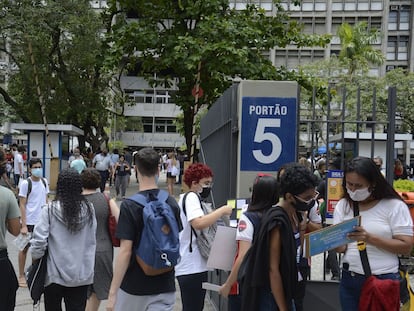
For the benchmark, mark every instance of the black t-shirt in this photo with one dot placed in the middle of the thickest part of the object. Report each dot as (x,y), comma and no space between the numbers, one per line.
(129,227)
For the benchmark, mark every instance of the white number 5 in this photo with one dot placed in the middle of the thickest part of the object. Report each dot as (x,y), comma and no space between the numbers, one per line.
(261,135)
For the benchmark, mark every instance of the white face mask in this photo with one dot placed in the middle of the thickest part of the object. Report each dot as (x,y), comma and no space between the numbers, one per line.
(359,194)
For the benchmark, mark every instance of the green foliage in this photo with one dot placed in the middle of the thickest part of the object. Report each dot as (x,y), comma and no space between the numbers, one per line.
(67,46)
(182,41)
(356,47)
(403,185)
(116,144)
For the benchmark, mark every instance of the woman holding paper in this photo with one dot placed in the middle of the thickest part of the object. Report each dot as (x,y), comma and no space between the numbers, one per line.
(191,271)
(264,195)
(386,228)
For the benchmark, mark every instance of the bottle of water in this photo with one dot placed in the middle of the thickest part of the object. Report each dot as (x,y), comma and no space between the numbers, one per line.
(22,240)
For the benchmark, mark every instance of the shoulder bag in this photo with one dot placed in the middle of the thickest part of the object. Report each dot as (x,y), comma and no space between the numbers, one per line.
(112,223)
(376,292)
(36,274)
(205,237)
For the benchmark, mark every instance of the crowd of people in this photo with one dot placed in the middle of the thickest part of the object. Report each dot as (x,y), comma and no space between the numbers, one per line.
(269,272)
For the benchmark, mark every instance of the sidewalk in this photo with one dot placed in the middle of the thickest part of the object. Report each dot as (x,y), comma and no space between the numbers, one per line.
(23,300)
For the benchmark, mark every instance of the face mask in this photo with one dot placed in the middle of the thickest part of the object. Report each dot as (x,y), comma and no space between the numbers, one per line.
(303,206)
(359,194)
(38,172)
(205,192)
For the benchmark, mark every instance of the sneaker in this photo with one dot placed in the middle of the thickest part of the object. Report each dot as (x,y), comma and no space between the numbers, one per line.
(335,278)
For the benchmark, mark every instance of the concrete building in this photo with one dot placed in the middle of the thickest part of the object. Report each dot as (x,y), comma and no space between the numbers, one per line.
(157,111)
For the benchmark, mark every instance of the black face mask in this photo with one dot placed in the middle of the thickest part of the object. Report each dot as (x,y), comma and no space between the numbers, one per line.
(205,192)
(302,206)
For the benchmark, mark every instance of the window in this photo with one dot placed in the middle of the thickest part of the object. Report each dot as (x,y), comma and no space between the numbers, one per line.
(399,17)
(397,48)
(403,48)
(404,18)
(391,48)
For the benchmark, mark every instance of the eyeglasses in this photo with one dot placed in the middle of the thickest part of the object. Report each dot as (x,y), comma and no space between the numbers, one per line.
(310,200)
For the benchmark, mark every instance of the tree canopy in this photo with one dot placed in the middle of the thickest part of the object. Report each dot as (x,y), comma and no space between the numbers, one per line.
(67,52)
(201,43)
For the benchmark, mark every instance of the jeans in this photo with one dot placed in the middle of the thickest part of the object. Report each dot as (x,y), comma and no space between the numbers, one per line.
(268,303)
(351,286)
(234,302)
(74,297)
(192,293)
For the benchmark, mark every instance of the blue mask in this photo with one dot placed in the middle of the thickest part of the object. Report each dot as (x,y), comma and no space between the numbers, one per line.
(37,172)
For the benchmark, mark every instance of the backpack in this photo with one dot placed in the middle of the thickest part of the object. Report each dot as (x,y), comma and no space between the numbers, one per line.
(205,238)
(29,186)
(158,250)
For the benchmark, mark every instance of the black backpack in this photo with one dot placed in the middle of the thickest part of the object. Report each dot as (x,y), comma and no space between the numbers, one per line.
(29,186)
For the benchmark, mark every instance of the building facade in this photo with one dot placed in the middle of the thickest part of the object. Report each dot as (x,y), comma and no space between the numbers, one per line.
(157,110)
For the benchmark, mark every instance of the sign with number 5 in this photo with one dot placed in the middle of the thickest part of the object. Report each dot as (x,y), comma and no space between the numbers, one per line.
(268,136)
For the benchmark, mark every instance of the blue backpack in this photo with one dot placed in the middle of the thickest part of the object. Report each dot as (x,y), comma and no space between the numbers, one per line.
(158,250)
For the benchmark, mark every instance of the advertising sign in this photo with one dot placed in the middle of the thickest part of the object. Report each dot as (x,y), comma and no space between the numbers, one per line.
(334,193)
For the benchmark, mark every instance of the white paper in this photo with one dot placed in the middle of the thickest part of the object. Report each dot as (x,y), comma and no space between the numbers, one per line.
(210,286)
(223,250)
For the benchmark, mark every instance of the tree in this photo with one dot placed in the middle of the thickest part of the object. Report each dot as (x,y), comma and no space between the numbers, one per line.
(200,44)
(356,47)
(67,50)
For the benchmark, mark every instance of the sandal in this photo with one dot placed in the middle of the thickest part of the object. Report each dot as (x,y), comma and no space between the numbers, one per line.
(22,282)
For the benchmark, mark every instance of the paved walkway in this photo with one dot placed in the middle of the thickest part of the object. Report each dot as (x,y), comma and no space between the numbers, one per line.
(23,300)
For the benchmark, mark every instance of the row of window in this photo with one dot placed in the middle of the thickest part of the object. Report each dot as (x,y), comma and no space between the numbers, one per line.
(158,125)
(149,97)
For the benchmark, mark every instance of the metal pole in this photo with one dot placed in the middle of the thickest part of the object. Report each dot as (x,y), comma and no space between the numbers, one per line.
(392,104)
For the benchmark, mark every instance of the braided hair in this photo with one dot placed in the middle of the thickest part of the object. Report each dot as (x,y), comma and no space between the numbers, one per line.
(73,203)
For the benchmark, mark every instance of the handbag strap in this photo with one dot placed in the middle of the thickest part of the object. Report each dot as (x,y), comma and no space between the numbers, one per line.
(362,246)
(185,213)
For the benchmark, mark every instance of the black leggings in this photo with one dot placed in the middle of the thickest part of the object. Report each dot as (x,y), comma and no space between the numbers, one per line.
(8,284)
(74,297)
(192,293)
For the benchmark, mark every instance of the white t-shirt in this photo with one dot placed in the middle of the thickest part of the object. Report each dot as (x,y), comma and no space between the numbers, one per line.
(36,200)
(18,158)
(387,218)
(191,262)
(245,229)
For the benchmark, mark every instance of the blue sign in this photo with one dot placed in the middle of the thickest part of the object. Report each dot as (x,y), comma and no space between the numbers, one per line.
(268,133)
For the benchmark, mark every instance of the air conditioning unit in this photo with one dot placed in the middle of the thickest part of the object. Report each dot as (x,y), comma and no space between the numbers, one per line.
(389,67)
(394,7)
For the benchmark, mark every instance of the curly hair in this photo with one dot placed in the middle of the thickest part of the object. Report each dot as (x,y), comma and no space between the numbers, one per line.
(72,202)
(265,193)
(91,179)
(296,179)
(195,172)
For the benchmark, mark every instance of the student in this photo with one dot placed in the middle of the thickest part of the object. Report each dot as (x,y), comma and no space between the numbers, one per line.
(131,289)
(104,255)
(9,221)
(33,195)
(386,228)
(191,271)
(264,196)
(67,229)
(271,273)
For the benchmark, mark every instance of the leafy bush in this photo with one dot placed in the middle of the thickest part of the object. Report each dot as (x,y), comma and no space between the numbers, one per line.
(404,185)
